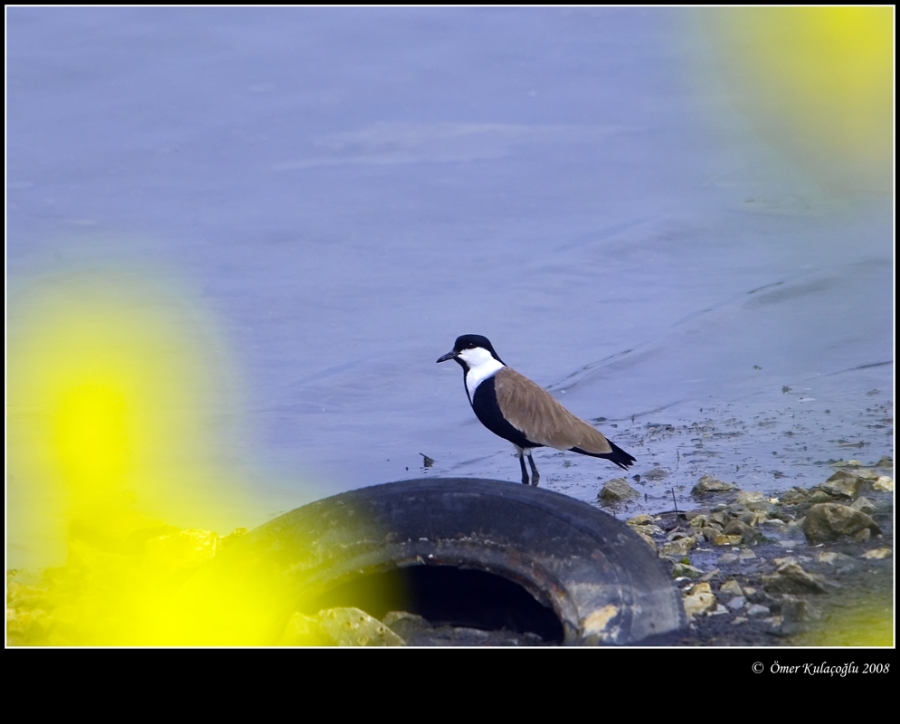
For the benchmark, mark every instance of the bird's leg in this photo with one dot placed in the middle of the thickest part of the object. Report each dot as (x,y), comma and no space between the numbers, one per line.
(524,471)
(535,475)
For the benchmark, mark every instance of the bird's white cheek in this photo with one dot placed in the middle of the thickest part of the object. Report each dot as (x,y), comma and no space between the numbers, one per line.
(476,357)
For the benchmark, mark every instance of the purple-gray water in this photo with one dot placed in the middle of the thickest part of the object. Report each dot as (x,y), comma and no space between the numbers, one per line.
(347,190)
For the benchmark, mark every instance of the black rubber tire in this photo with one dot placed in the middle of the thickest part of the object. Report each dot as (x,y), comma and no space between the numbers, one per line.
(604,583)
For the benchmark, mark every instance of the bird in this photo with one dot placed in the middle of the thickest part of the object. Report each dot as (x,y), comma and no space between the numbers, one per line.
(520,411)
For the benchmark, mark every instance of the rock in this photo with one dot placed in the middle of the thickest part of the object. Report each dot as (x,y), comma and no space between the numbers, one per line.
(739,528)
(838,560)
(180,549)
(646,528)
(353,627)
(338,627)
(235,535)
(884,483)
(817,495)
(406,625)
(787,560)
(699,599)
(759,517)
(304,630)
(699,522)
(737,603)
(774,523)
(27,627)
(719,518)
(736,510)
(755,502)
(863,505)
(866,474)
(746,497)
(656,474)
(757,609)
(616,490)
(830,521)
(885,462)
(795,496)
(794,611)
(790,577)
(726,540)
(876,554)
(678,547)
(732,587)
(644,525)
(842,485)
(709,484)
(641,520)
(683,570)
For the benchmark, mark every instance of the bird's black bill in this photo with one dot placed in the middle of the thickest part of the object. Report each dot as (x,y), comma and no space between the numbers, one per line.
(449,355)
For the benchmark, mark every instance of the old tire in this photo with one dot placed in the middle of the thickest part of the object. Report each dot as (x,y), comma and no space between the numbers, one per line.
(601,580)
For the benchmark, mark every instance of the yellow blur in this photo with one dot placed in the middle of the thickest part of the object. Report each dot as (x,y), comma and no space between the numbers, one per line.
(107,376)
(866,621)
(110,460)
(817,83)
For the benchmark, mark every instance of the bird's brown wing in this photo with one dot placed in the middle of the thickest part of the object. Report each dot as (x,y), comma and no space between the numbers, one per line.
(535,412)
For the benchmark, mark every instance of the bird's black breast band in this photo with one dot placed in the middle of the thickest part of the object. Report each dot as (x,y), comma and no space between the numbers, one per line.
(487,409)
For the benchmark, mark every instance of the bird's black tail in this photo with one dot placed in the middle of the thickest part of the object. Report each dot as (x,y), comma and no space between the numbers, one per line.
(617,456)
(620,457)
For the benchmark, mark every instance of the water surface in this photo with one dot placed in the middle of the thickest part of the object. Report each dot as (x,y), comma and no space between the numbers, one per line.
(346,190)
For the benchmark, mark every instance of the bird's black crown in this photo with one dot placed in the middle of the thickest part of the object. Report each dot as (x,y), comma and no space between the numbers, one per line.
(471,341)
